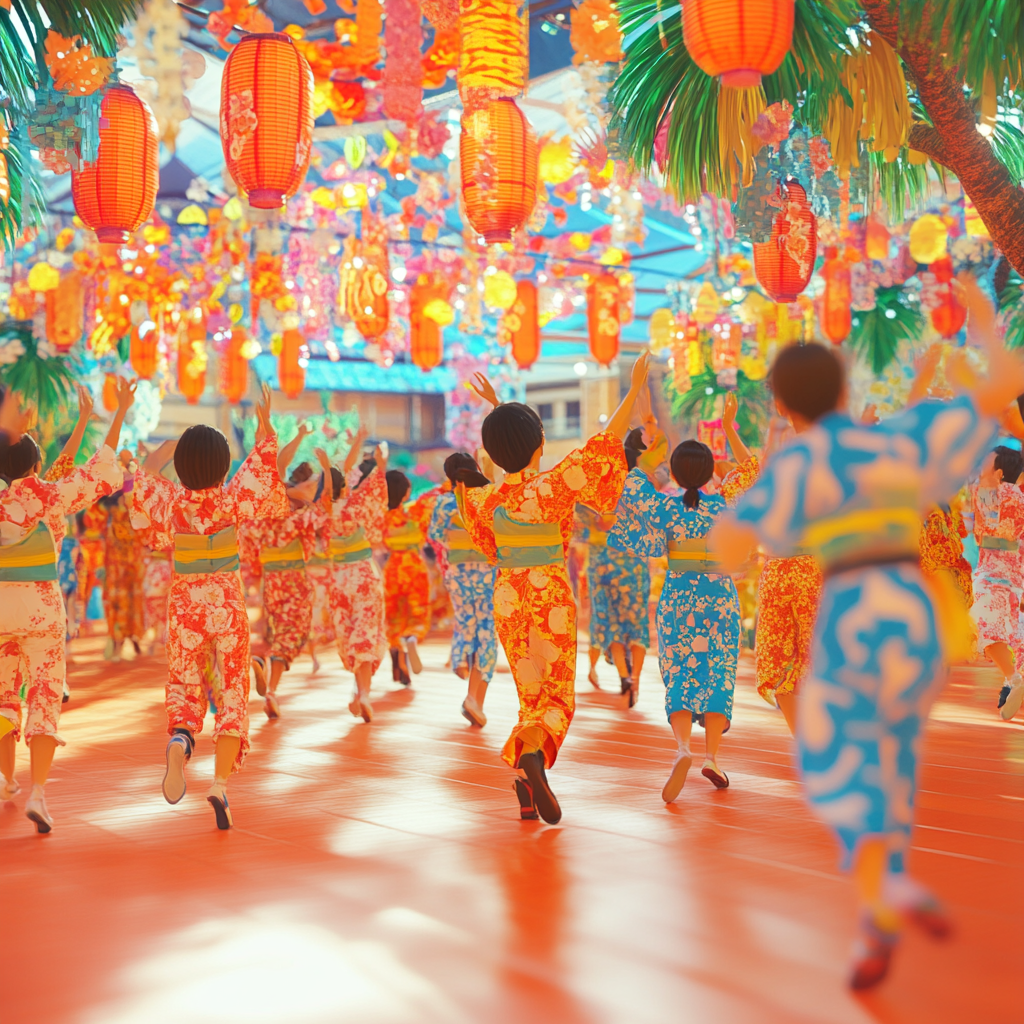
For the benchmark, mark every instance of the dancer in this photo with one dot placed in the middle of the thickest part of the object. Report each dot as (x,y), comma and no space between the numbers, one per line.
(206,616)
(122,575)
(470,582)
(33,625)
(590,536)
(524,526)
(853,494)
(319,570)
(406,582)
(699,609)
(998,507)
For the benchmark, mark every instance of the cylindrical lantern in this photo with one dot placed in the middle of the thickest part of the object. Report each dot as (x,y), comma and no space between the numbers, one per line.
(686,333)
(498,154)
(234,368)
(738,40)
(785,262)
(949,316)
(662,329)
(603,318)
(143,350)
(426,335)
(836,318)
(520,327)
(115,194)
(266,118)
(65,312)
(192,361)
(110,392)
(291,373)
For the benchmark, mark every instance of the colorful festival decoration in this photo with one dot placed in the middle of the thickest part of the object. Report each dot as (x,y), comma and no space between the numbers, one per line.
(949,316)
(192,360)
(65,312)
(836,318)
(603,318)
(493,63)
(291,370)
(143,352)
(426,333)
(234,367)
(403,71)
(364,277)
(519,326)
(785,262)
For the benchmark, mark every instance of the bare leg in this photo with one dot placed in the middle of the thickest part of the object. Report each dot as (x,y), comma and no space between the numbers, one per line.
(277,668)
(594,653)
(714,726)
(364,674)
(41,750)
(227,748)
(1003,657)
(682,726)
(312,654)
(7,755)
(477,686)
(618,652)
(639,653)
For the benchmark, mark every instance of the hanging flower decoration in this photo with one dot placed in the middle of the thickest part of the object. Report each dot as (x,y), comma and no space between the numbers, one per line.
(73,67)
(595,34)
(441,58)
(221,24)
(403,74)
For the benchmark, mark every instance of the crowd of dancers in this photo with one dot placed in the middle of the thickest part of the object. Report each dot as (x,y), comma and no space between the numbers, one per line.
(864,596)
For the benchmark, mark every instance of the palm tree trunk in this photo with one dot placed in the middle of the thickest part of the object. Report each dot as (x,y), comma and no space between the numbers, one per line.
(953,139)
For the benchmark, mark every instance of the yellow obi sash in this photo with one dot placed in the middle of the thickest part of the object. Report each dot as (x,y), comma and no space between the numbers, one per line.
(461,549)
(195,554)
(159,555)
(32,560)
(353,547)
(406,537)
(598,539)
(281,559)
(864,537)
(526,545)
(318,561)
(999,544)
(691,556)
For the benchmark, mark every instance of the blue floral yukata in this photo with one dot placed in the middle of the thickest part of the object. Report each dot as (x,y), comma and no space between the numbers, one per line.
(854,496)
(470,583)
(699,610)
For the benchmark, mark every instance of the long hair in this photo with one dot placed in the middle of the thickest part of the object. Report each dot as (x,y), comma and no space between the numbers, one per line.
(693,465)
(461,468)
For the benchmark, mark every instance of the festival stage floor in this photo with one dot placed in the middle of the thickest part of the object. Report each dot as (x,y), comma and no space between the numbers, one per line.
(380,874)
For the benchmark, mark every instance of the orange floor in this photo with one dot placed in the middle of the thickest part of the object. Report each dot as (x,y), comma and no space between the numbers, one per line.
(379,874)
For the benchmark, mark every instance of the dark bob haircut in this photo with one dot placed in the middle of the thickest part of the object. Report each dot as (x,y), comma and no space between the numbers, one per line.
(19,459)
(336,481)
(366,467)
(808,379)
(461,468)
(1010,461)
(202,457)
(693,465)
(398,487)
(511,433)
(300,474)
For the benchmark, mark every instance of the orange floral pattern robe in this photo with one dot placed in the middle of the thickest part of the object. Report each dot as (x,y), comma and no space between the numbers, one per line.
(406,580)
(534,608)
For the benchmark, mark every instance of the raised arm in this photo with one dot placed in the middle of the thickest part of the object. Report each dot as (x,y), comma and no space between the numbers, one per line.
(287,453)
(125,397)
(70,451)
(618,425)
(159,457)
(739,449)
(353,452)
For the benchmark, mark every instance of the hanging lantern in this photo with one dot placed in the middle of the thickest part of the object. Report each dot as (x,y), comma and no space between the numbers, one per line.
(603,318)
(266,118)
(493,58)
(426,335)
(115,194)
(110,392)
(836,318)
(192,360)
(498,156)
(785,262)
(738,40)
(142,350)
(65,312)
(928,238)
(291,364)
(234,367)
(662,329)
(876,240)
(364,276)
(684,334)
(726,344)
(520,327)
(949,316)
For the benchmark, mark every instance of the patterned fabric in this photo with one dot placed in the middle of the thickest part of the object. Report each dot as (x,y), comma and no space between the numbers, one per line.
(156,585)
(67,565)
(321,623)
(94,545)
(406,581)
(534,609)
(206,616)
(288,602)
(999,578)
(942,547)
(620,593)
(122,579)
(788,593)
(698,612)
(876,656)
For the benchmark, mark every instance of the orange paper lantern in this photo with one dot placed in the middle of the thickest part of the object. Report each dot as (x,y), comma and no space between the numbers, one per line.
(110,392)
(949,316)
(234,368)
(426,336)
(65,312)
(520,327)
(603,318)
(266,118)
(836,318)
(191,361)
(115,194)
(498,154)
(785,262)
(738,40)
(291,372)
(143,351)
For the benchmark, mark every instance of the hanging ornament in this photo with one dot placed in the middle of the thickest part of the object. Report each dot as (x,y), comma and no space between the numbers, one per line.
(266,118)
(685,333)
(192,359)
(73,67)
(142,351)
(499,290)
(876,240)
(234,367)
(603,318)
(662,329)
(291,363)
(707,305)
(836,318)
(65,312)
(426,334)
(493,63)
(364,278)
(785,262)
(594,34)
(403,73)
(520,327)
(950,315)
(928,238)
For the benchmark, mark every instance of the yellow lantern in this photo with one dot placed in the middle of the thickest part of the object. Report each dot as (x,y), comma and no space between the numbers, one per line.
(662,329)
(440,312)
(499,289)
(707,306)
(928,238)
(556,164)
(43,278)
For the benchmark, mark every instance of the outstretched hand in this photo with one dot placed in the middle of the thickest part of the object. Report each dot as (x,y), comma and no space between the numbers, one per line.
(730,409)
(380,458)
(321,457)
(484,388)
(265,428)
(85,403)
(125,391)
(638,375)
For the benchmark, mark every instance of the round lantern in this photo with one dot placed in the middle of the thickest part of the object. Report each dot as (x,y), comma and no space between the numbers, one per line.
(266,118)
(498,155)
(115,194)
(520,327)
(291,372)
(234,368)
(192,361)
(738,40)
(426,338)
(143,351)
(603,318)
(785,262)
(65,312)
(928,238)
(949,316)
(836,319)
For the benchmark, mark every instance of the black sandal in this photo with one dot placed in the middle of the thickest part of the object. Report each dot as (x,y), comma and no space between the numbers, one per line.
(544,800)
(527,811)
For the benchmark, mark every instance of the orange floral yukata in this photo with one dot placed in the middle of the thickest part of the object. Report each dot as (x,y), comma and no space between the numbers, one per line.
(406,580)
(525,526)
(206,616)
(94,545)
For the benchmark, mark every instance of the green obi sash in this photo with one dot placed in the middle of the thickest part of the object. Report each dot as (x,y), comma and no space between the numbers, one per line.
(864,537)
(318,561)
(999,544)
(526,545)
(32,560)
(195,554)
(283,558)
(353,547)
(691,556)
(406,537)
(461,549)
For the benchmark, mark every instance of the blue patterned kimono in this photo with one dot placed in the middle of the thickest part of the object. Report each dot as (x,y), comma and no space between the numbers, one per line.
(854,496)
(470,582)
(699,610)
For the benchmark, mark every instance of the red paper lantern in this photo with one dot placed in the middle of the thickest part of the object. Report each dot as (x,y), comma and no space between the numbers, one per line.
(266,118)
(143,351)
(291,372)
(836,318)
(603,318)
(191,380)
(234,368)
(498,154)
(738,40)
(426,340)
(785,262)
(520,328)
(115,194)
(949,316)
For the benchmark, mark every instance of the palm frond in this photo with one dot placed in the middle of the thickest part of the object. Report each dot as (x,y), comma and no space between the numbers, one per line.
(1011,310)
(48,384)
(699,403)
(27,203)
(877,333)
(1008,143)
(901,184)
(17,67)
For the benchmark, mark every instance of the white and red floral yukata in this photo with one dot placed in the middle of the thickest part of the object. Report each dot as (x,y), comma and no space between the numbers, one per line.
(206,615)
(33,621)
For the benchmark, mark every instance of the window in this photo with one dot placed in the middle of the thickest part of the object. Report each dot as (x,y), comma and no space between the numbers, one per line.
(546,411)
(572,418)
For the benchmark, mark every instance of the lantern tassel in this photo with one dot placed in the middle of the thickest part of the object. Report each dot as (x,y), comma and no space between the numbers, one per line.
(738,110)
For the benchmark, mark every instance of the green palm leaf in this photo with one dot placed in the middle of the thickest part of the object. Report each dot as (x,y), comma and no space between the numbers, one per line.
(27,203)
(1011,309)
(48,384)
(877,333)
(699,403)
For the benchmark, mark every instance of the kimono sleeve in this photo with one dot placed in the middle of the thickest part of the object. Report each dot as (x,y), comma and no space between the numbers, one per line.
(642,518)
(249,542)
(774,505)
(256,487)
(477,505)
(740,480)
(1011,507)
(62,466)
(101,475)
(154,497)
(366,506)
(440,521)
(592,475)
